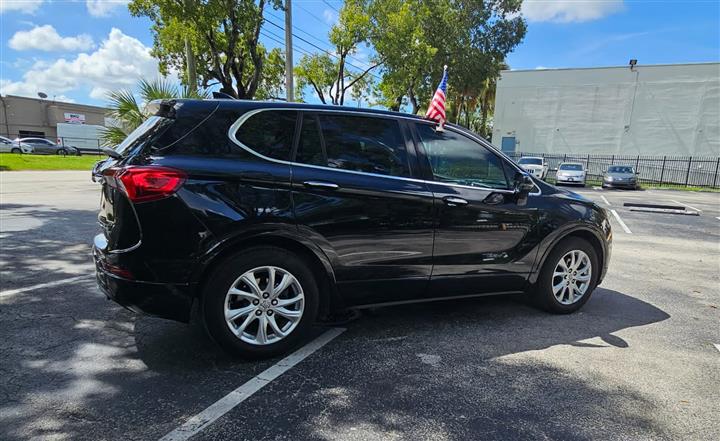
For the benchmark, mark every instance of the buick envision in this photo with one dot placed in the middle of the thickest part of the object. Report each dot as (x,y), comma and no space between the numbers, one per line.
(264,218)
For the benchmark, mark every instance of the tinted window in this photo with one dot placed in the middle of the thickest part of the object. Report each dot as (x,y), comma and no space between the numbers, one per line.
(576,167)
(269,133)
(310,146)
(372,145)
(530,161)
(458,159)
(621,169)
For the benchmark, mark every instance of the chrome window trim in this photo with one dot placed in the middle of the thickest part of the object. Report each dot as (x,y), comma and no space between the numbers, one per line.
(247,115)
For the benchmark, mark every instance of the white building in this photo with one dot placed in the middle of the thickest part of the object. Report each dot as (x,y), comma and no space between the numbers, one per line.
(648,110)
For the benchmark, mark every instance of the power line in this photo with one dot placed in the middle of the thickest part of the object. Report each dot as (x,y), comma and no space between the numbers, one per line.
(323,50)
(321,42)
(331,6)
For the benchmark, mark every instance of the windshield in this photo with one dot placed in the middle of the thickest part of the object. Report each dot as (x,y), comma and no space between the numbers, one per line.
(575,167)
(149,130)
(530,161)
(620,169)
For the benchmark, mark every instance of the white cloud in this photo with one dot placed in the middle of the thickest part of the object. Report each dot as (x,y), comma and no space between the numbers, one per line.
(24,6)
(103,8)
(330,16)
(566,11)
(46,38)
(118,63)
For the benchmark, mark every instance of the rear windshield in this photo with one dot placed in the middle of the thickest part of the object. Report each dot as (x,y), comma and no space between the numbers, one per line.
(530,161)
(620,169)
(577,167)
(150,130)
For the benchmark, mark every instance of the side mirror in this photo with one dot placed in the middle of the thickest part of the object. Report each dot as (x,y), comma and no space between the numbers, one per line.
(523,186)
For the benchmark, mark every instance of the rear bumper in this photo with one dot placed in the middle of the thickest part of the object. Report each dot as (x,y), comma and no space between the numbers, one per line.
(170,301)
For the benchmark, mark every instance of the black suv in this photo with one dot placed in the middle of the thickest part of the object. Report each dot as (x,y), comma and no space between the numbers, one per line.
(269,217)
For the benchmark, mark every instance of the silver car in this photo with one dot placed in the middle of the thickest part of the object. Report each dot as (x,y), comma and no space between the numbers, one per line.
(620,176)
(571,173)
(44,146)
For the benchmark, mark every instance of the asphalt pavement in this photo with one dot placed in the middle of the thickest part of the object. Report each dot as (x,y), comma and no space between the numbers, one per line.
(638,362)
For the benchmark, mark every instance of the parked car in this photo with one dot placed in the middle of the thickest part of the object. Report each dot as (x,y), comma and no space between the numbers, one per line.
(270,217)
(620,176)
(572,173)
(42,146)
(6,146)
(535,166)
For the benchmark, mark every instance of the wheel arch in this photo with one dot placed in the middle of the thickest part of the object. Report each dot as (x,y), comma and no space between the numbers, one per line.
(582,232)
(317,261)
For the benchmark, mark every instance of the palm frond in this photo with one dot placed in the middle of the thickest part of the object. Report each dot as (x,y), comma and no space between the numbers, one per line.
(157,89)
(112,136)
(124,108)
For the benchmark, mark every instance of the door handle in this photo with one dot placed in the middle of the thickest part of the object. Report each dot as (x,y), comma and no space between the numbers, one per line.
(321,184)
(453,201)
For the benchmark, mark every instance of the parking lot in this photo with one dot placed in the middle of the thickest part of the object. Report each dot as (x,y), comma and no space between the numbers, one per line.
(640,361)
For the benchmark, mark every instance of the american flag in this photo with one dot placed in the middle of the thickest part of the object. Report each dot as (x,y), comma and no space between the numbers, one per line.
(436,109)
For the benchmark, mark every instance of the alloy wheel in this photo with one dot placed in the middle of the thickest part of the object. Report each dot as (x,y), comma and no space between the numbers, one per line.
(571,277)
(264,305)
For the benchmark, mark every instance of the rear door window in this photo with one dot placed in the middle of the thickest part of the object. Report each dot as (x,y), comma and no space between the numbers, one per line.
(269,133)
(357,143)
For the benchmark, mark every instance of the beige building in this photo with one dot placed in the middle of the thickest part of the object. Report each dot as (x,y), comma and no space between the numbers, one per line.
(35,117)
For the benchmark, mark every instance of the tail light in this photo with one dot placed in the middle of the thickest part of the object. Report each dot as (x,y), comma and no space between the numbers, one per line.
(144,184)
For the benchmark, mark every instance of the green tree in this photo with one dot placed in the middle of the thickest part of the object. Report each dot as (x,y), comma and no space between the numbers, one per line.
(415,38)
(223,35)
(328,75)
(129,113)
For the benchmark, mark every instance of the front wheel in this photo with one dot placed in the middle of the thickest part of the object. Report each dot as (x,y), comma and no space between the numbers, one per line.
(260,303)
(568,277)
(15,150)
(62,152)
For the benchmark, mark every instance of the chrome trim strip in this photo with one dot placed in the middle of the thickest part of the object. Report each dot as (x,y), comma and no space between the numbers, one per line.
(247,115)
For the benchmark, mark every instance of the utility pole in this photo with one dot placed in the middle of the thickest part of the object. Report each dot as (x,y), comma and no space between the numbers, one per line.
(190,56)
(288,52)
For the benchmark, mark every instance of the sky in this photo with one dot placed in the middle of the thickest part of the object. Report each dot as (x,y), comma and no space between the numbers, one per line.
(77,50)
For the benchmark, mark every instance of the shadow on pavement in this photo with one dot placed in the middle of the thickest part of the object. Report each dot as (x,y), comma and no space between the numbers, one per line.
(458,370)
(75,365)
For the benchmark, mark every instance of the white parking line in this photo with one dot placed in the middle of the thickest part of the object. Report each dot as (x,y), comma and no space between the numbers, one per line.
(717,346)
(12,292)
(688,206)
(229,401)
(605,200)
(620,221)
(718,218)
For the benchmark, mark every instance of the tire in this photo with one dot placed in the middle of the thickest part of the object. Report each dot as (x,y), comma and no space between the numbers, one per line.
(543,291)
(248,343)
(62,152)
(16,150)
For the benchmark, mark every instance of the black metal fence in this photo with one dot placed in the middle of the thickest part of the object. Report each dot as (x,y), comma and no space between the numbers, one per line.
(672,171)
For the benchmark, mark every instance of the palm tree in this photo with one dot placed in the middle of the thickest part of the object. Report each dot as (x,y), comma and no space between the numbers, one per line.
(125,109)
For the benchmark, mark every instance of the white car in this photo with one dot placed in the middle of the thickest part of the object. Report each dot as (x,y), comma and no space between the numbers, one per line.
(534,165)
(571,173)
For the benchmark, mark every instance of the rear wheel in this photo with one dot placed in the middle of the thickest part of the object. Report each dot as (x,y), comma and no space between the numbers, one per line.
(260,303)
(568,277)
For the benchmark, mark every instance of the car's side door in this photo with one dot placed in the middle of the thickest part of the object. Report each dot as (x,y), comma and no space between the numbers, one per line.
(355,193)
(482,235)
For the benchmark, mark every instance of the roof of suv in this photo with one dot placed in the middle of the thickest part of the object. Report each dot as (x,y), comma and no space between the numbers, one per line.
(250,104)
